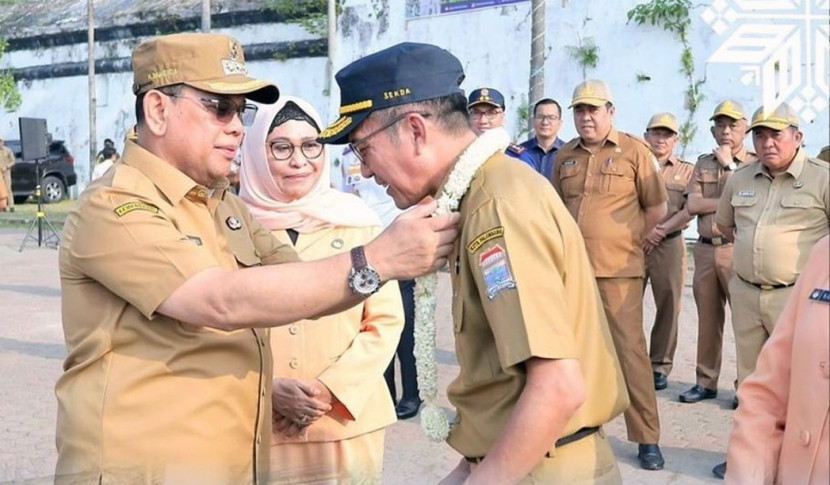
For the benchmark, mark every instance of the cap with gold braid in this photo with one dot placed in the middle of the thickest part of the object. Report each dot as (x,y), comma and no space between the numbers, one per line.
(401,74)
(592,92)
(663,120)
(729,108)
(778,119)
(486,96)
(213,63)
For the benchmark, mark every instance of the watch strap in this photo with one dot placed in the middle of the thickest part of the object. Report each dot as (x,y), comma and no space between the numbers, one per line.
(358,257)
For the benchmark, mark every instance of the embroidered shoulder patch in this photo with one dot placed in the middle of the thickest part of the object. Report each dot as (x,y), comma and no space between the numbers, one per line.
(125,209)
(496,271)
(485,236)
(820,295)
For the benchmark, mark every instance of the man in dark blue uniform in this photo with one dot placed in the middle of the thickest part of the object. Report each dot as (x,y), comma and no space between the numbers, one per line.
(540,149)
(486,109)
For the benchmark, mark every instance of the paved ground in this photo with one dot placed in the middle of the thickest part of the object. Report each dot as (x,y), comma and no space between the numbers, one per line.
(32,351)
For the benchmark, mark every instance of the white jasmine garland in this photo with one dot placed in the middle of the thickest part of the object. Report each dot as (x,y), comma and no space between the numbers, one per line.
(433,420)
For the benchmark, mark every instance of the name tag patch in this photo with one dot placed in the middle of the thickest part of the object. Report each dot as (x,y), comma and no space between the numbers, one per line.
(485,236)
(568,163)
(820,295)
(746,193)
(125,209)
(496,271)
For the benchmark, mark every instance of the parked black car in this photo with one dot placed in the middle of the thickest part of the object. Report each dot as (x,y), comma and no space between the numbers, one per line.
(58,171)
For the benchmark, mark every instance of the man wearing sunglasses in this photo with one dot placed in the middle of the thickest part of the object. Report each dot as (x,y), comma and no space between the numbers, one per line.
(168,285)
(538,375)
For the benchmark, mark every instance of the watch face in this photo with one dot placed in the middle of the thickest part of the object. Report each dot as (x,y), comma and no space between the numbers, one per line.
(365,281)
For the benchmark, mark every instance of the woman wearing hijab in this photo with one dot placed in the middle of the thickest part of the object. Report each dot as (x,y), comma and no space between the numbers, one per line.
(330,401)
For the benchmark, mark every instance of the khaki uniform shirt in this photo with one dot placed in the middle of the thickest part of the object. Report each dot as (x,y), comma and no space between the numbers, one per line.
(708,180)
(522,288)
(347,351)
(6,158)
(777,220)
(676,173)
(145,398)
(606,193)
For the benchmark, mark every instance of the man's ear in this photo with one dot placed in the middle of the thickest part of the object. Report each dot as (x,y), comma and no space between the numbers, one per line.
(157,108)
(417,130)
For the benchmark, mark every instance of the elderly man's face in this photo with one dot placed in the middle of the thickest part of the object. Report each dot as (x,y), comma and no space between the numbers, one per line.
(728,131)
(776,149)
(197,142)
(662,141)
(486,117)
(390,160)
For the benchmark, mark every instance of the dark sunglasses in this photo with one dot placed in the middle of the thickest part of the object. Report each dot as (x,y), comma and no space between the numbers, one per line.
(224,109)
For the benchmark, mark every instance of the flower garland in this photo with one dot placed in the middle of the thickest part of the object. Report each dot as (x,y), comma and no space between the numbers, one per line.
(433,420)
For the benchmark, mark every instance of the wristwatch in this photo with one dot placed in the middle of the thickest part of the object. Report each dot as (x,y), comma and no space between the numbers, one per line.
(363,279)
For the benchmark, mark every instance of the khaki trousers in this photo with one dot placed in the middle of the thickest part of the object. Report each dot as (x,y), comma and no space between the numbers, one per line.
(666,269)
(355,460)
(713,270)
(622,299)
(587,461)
(7,181)
(754,313)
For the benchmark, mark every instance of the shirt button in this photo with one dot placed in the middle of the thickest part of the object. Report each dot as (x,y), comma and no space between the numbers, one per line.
(202,193)
(293,329)
(804,437)
(825,369)
(294,363)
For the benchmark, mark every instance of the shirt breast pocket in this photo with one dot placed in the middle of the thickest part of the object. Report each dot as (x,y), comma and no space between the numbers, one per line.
(244,251)
(745,212)
(708,181)
(571,180)
(794,209)
(615,180)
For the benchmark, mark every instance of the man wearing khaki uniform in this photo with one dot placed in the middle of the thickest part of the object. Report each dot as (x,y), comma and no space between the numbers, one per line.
(775,211)
(167,282)
(610,183)
(713,253)
(538,377)
(665,248)
(7,161)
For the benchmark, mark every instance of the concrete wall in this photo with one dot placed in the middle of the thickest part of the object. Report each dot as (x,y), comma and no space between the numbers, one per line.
(492,43)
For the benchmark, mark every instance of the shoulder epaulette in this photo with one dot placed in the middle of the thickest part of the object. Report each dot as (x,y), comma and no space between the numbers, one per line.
(516,148)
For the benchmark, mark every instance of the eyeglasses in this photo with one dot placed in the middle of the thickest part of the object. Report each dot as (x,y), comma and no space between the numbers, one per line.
(490,115)
(283,150)
(224,109)
(548,118)
(355,145)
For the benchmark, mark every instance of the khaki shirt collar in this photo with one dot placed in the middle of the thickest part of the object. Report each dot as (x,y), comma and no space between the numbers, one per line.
(613,137)
(742,156)
(172,182)
(794,169)
(672,160)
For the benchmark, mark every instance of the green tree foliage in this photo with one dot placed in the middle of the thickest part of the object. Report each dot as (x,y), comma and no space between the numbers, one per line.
(9,95)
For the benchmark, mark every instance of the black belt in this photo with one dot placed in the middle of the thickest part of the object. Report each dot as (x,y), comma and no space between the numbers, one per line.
(715,241)
(764,287)
(674,234)
(578,435)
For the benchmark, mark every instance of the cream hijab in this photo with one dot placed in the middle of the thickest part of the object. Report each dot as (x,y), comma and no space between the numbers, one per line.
(321,208)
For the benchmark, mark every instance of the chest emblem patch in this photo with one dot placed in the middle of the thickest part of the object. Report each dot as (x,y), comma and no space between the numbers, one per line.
(233,223)
(820,295)
(496,271)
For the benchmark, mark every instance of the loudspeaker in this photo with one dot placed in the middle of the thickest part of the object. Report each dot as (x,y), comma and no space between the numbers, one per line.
(34,140)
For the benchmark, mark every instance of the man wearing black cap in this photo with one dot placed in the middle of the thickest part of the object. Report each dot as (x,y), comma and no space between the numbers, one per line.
(486,108)
(538,373)
(167,282)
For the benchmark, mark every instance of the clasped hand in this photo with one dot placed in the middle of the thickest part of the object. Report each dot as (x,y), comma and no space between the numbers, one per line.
(297,404)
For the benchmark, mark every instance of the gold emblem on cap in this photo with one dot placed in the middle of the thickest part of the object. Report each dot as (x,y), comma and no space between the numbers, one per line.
(665,119)
(727,106)
(485,92)
(234,48)
(587,91)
